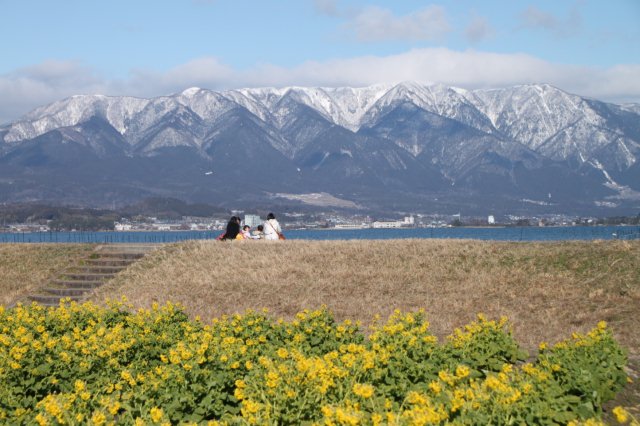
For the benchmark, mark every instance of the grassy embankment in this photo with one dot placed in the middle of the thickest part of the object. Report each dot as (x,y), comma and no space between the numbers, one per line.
(26,267)
(547,290)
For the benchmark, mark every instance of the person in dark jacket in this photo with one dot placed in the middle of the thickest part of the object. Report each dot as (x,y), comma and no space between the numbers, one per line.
(233,228)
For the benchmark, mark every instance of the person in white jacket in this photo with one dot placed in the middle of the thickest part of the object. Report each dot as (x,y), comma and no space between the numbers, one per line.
(271,228)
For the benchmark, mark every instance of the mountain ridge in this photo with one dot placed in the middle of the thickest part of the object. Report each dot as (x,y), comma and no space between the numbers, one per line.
(417,141)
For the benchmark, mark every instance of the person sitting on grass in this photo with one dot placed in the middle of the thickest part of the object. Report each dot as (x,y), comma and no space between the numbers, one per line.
(258,234)
(233,229)
(272,230)
(247,235)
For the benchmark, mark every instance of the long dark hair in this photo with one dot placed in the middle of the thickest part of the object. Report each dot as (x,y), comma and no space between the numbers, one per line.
(271,216)
(233,228)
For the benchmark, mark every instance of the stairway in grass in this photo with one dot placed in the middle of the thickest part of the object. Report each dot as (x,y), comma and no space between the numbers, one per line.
(79,281)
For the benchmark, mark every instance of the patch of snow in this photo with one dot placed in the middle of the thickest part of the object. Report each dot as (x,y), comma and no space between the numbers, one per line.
(606,204)
(536,202)
(610,182)
(190,92)
(319,199)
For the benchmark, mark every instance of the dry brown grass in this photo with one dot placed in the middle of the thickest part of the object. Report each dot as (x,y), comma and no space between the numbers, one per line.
(27,267)
(547,290)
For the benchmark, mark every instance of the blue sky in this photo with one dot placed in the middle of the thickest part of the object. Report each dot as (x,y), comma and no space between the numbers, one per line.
(53,49)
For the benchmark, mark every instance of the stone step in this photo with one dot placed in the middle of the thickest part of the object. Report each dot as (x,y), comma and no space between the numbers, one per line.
(108,262)
(85,277)
(52,300)
(66,292)
(127,248)
(95,269)
(116,256)
(77,284)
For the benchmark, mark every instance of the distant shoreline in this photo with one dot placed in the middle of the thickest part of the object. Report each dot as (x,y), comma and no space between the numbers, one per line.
(486,233)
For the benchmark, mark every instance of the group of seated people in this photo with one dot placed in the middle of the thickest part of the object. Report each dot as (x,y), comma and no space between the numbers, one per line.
(270,230)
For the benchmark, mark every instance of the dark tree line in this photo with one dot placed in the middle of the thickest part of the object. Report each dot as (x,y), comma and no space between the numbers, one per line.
(60,218)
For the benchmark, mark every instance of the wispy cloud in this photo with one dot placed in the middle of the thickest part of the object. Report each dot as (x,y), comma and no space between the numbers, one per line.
(27,88)
(378,24)
(479,29)
(326,7)
(537,19)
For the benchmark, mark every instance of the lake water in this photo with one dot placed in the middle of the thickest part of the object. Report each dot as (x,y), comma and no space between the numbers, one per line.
(496,234)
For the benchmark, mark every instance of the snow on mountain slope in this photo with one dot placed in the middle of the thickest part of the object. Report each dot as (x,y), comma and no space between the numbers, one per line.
(74,110)
(439,99)
(343,106)
(207,104)
(635,108)
(552,122)
(549,121)
(532,114)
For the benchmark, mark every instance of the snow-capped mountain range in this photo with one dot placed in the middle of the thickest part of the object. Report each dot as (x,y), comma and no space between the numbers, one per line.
(410,141)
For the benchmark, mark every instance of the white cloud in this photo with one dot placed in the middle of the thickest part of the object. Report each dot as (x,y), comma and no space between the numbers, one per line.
(27,88)
(377,24)
(620,83)
(202,72)
(466,69)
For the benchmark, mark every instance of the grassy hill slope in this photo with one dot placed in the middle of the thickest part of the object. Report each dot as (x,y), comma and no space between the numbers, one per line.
(545,289)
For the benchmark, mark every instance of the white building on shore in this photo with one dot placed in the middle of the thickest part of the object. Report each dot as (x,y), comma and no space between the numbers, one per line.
(351,226)
(122,226)
(407,221)
(252,220)
(382,224)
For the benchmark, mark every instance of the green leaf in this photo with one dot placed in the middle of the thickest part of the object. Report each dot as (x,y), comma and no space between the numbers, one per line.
(564,417)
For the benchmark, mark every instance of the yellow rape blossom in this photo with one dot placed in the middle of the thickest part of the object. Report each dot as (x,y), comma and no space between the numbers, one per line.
(41,420)
(98,419)
(363,390)
(156,414)
(114,408)
(435,387)
(462,371)
(622,416)
(79,386)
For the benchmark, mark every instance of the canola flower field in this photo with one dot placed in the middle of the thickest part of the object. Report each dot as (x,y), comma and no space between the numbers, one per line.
(90,364)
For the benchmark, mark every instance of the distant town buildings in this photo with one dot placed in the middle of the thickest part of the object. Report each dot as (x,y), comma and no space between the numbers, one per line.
(323,220)
(185,224)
